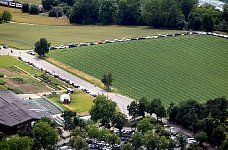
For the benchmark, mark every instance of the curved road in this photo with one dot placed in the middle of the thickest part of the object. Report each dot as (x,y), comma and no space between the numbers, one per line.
(122,101)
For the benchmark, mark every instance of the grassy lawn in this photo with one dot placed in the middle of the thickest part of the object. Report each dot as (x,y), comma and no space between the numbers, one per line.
(7,61)
(24,36)
(80,102)
(18,16)
(172,69)
(31,1)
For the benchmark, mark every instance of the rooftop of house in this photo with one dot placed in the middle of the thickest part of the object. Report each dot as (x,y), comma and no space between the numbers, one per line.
(14,110)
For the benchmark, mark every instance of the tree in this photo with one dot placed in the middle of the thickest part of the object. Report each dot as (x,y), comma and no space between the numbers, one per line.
(78,142)
(187,6)
(18,143)
(133,109)
(42,47)
(84,12)
(191,118)
(182,142)
(163,142)
(103,109)
(144,125)
(112,139)
(25,7)
(224,145)
(207,22)
(107,80)
(142,105)
(126,146)
(33,9)
(6,16)
(93,131)
(218,135)
(1,18)
(194,147)
(107,11)
(55,12)
(48,4)
(195,21)
(44,136)
(225,12)
(151,140)
(137,140)
(119,120)
(129,12)
(201,137)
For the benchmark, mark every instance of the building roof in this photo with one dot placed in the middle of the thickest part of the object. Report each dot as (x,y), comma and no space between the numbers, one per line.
(14,110)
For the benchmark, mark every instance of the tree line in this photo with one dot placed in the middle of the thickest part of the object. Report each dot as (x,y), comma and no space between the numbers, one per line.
(177,14)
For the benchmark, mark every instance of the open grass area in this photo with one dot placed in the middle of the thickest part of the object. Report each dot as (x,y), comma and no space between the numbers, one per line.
(24,36)
(7,61)
(80,102)
(32,1)
(19,17)
(172,69)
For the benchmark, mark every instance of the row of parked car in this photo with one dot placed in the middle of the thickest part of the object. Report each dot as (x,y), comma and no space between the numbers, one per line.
(71,45)
(174,134)
(51,73)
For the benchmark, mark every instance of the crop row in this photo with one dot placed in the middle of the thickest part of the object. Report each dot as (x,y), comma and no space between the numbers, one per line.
(177,68)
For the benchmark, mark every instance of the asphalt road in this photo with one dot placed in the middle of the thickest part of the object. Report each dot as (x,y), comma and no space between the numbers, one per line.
(122,101)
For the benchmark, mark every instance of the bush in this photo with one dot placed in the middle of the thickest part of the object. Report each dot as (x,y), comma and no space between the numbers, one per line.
(34,10)
(6,16)
(25,8)
(2,82)
(0,18)
(56,12)
(1,75)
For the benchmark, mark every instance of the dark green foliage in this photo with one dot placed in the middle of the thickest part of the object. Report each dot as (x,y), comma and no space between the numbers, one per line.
(144,125)
(107,80)
(224,145)
(48,4)
(162,13)
(55,12)
(137,140)
(1,18)
(129,12)
(142,105)
(107,11)
(84,12)
(34,10)
(44,136)
(69,2)
(218,135)
(6,16)
(127,146)
(187,6)
(78,142)
(195,21)
(119,120)
(207,22)
(16,143)
(133,109)
(42,47)
(201,137)
(103,110)
(25,8)
(69,121)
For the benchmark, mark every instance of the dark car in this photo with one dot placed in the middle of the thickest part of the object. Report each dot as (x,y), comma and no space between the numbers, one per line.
(5,46)
(72,45)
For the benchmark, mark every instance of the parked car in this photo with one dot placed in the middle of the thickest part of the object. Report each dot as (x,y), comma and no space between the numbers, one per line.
(5,46)
(52,48)
(71,45)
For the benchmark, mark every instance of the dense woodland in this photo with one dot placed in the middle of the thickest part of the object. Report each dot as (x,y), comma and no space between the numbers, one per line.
(175,14)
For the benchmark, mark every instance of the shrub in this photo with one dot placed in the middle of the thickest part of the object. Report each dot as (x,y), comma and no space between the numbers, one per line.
(25,8)
(1,75)
(0,18)
(34,10)
(56,12)
(6,16)
(2,82)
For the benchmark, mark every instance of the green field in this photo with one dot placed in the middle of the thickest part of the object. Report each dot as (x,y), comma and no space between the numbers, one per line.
(172,69)
(80,102)
(24,36)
